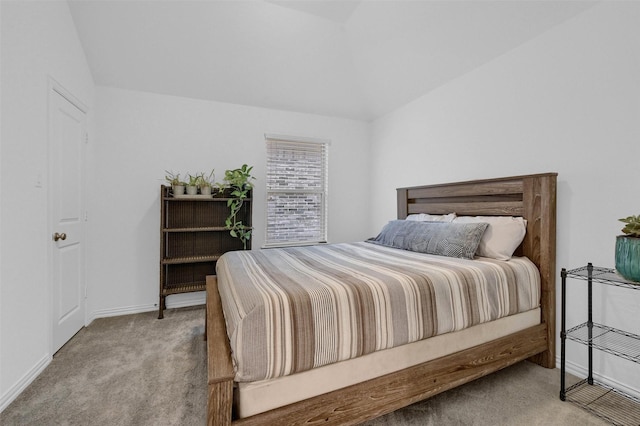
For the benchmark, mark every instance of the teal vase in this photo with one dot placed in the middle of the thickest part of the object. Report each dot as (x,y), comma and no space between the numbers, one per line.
(628,257)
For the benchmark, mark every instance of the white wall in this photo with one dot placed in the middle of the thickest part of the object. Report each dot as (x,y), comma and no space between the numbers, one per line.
(567,101)
(39,41)
(140,135)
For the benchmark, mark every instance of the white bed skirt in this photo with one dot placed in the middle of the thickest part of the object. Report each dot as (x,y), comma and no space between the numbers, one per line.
(257,397)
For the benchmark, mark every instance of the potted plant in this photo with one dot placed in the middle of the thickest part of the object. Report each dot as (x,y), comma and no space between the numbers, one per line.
(206,182)
(628,249)
(238,182)
(173,179)
(192,186)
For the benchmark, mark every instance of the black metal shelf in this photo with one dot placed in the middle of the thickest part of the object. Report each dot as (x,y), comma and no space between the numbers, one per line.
(608,403)
(611,405)
(608,339)
(604,276)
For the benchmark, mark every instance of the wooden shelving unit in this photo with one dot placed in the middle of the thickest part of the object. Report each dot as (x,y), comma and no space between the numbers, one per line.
(193,237)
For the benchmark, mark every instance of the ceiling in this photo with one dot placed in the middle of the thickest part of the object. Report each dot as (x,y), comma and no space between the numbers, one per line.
(358,59)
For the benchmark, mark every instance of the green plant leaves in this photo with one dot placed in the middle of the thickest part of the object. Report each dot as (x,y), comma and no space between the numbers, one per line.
(239,182)
(632,227)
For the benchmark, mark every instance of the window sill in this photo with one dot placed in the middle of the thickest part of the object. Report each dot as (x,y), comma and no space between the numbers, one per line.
(294,244)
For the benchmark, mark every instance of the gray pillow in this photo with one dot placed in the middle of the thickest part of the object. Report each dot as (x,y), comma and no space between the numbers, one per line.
(441,238)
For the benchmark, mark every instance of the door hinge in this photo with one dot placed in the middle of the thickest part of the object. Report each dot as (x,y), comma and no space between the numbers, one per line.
(86,137)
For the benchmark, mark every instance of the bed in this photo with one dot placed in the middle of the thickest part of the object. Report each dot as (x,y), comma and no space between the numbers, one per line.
(387,384)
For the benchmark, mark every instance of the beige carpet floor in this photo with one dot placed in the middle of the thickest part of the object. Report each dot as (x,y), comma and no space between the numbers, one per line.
(138,370)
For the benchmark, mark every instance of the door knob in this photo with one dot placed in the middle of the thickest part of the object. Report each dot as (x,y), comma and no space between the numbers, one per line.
(57,236)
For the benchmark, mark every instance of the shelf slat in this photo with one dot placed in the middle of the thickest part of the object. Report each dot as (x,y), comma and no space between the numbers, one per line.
(609,404)
(197,229)
(608,339)
(184,288)
(603,275)
(199,199)
(191,259)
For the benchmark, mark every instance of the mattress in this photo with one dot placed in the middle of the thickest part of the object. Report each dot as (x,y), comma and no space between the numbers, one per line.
(257,397)
(295,309)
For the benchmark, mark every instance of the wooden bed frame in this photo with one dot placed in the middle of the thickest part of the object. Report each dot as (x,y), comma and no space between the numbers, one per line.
(530,196)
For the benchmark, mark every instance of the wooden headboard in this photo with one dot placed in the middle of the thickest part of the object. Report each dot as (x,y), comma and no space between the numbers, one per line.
(530,196)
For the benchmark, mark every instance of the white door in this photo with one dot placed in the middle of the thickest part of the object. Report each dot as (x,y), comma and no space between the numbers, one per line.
(67,138)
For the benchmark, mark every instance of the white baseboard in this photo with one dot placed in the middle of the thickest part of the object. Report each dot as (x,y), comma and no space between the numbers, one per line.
(174,301)
(115,312)
(15,390)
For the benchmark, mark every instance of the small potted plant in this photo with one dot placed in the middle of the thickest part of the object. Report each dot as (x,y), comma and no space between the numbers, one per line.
(206,182)
(628,249)
(173,179)
(192,185)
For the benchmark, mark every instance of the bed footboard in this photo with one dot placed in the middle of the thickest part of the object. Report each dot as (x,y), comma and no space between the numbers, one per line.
(367,400)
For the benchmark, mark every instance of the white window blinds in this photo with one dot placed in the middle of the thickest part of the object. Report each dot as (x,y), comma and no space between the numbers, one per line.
(296,192)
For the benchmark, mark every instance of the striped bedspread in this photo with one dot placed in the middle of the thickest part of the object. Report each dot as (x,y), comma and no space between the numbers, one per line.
(293,309)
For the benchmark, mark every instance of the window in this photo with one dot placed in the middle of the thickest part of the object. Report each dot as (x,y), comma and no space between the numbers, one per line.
(296,191)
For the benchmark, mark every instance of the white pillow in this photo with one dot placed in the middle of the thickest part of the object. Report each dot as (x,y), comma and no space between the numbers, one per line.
(424,217)
(502,237)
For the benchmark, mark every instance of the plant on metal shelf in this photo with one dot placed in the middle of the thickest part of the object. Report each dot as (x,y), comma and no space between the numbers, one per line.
(239,183)
(628,249)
